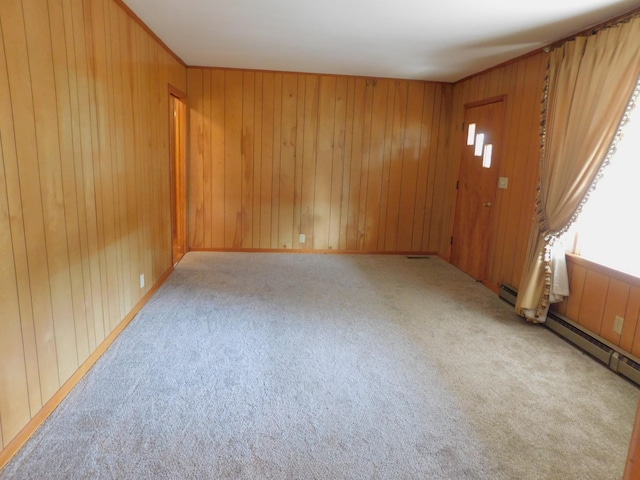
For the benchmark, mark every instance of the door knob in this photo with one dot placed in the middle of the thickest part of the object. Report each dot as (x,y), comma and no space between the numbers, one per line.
(488,204)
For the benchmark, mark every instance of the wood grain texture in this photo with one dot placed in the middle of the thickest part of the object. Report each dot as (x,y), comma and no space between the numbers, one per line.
(594,296)
(630,340)
(597,295)
(615,305)
(522,83)
(84,188)
(343,160)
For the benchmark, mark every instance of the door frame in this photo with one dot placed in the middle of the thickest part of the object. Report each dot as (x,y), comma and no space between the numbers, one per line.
(178,173)
(463,143)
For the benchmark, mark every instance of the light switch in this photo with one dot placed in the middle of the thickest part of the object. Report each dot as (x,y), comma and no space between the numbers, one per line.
(503,182)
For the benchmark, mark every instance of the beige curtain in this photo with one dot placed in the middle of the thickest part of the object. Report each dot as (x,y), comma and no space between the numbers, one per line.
(590,83)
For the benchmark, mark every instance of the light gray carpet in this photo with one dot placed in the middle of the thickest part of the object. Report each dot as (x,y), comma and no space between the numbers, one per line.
(283,366)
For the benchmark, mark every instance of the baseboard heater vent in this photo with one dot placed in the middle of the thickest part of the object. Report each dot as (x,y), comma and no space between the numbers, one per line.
(616,359)
(508,294)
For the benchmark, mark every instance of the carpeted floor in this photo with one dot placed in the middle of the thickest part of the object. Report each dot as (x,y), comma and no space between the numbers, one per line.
(283,366)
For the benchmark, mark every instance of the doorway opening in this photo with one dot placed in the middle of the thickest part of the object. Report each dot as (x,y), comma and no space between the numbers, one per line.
(177,146)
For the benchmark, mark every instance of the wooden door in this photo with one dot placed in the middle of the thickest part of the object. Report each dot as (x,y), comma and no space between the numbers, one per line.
(477,185)
(178,119)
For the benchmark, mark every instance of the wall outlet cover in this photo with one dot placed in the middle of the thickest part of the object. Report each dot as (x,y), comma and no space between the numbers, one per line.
(617,325)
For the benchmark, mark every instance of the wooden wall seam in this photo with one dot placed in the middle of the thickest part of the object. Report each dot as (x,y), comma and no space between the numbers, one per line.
(11,448)
(84,188)
(599,295)
(521,82)
(342,192)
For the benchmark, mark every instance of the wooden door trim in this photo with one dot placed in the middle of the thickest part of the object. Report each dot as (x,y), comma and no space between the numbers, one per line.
(486,101)
(176,92)
(179,223)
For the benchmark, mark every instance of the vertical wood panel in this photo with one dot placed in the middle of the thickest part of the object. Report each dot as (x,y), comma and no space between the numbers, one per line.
(394,99)
(441,212)
(426,172)
(120,166)
(257,154)
(298,163)
(104,167)
(232,159)
(521,184)
(277,159)
(531,171)
(19,74)
(287,170)
(209,172)
(630,340)
(69,121)
(84,187)
(615,305)
(396,164)
(409,186)
(309,154)
(347,195)
(248,141)
(14,394)
(11,172)
(509,199)
(196,159)
(130,180)
(324,161)
(217,146)
(84,172)
(92,179)
(339,175)
(366,122)
(631,336)
(595,290)
(375,142)
(266,170)
(355,155)
(576,287)
(349,162)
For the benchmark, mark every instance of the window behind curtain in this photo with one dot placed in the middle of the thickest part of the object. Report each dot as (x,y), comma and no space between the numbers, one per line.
(608,230)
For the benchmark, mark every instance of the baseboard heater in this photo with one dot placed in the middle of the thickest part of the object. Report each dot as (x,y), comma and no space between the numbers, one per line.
(611,355)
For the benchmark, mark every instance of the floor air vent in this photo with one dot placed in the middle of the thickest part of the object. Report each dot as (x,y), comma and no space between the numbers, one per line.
(616,359)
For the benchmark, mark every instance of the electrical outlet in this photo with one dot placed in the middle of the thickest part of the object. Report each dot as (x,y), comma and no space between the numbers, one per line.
(142,281)
(617,325)
(303,238)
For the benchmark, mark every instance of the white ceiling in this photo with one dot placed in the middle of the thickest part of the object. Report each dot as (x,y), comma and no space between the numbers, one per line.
(443,40)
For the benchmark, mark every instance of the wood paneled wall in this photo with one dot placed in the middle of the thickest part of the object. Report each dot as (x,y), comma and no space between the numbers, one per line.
(522,81)
(598,295)
(84,187)
(349,162)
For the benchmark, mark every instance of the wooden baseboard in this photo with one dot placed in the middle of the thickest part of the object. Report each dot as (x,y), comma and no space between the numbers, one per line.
(19,440)
(310,250)
(493,286)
